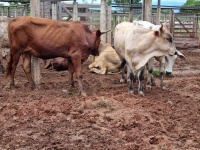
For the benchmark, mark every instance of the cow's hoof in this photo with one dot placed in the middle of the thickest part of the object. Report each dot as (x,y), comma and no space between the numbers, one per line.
(33,87)
(65,91)
(130,92)
(141,93)
(122,81)
(9,86)
(3,71)
(148,87)
(165,88)
(83,94)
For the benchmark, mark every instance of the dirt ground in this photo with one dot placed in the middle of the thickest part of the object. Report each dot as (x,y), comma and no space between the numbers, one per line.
(108,118)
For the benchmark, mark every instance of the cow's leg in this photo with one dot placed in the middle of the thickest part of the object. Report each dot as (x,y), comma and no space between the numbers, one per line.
(27,69)
(123,77)
(150,79)
(162,70)
(140,78)
(47,64)
(123,67)
(130,78)
(71,73)
(2,69)
(76,60)
(11,68)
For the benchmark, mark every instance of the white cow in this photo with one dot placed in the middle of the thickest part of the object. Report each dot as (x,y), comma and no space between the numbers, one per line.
(166,61)
(4,42)
(107,62)
(135,45)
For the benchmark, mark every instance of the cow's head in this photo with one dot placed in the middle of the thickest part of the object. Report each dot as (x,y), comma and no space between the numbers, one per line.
(97,41)
(170,60)
(164,40)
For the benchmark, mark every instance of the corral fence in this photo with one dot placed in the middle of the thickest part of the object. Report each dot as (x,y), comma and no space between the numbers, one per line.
(180,24)
(185,25)
(14,10)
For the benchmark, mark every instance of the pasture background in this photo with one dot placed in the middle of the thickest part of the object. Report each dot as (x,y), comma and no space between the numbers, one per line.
(108,118)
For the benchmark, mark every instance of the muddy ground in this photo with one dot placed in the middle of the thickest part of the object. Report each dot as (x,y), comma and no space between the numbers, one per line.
(108,118)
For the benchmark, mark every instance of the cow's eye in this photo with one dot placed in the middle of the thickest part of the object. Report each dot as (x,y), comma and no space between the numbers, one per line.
(169,38)
(166,58)
(175,53)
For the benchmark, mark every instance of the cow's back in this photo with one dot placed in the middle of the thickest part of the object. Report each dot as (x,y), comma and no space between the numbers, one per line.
(119,38)
(128,36)
(47,38)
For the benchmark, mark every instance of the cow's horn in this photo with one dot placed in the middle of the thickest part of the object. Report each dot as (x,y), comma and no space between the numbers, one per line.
(104,32)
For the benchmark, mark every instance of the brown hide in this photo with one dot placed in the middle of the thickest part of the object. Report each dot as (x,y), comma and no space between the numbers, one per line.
(1,65)
(2,69)
(45,38)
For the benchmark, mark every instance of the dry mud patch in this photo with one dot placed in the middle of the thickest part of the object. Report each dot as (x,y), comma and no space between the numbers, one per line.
(108,118)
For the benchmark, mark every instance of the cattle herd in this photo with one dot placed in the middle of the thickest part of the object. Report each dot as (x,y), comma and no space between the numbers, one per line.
(66,45)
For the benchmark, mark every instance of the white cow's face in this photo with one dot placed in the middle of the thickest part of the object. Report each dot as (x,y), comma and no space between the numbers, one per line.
(170,60)
(164,41)
(169,63)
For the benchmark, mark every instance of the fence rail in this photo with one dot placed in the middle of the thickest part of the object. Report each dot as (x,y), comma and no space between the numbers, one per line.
(180,24)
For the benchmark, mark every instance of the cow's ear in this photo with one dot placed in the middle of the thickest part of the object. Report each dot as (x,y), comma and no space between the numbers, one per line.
(98,33)
(156,33)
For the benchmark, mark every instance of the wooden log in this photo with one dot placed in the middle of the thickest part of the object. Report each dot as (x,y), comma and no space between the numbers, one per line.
(109,23)
(103,19)
(75,11)
(147,10)
(35,63)
(54,11)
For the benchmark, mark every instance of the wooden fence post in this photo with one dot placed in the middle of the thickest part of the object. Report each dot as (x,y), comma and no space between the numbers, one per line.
(35,63)
(25,12)
(16,12)
(9,12)
(195,25)
(46,9)
(158,13)
(131,12)
(2,11)
(54,11)
(75,11)
(115,19)
(147,10)
(171,22)
(109,23)
(103,19)
(59,11)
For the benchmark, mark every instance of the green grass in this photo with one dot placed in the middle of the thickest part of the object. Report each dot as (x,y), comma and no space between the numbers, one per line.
(156,72)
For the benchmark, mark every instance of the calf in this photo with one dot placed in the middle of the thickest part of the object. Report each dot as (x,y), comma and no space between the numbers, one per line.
(59,64)
(135,45)
(107,62)
(4,42)
(46,39)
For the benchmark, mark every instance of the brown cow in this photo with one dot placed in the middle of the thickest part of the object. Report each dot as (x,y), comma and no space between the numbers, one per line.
(46,39)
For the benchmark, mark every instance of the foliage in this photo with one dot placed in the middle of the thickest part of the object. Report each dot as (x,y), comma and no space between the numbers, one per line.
(191,3)
(156,72)
(123,1)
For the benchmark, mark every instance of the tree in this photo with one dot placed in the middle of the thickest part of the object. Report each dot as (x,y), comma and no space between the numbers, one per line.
(123,1)
(191,3)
